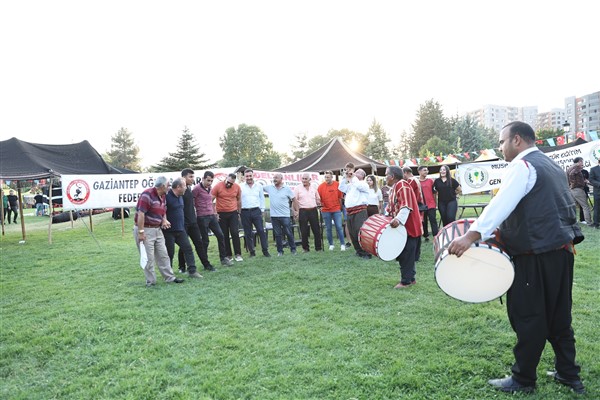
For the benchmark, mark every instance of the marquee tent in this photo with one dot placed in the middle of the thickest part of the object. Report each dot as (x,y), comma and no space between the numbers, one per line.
(21,160)
(334,156)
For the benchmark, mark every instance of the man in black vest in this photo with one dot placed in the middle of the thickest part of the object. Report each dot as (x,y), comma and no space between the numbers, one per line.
(536,198)
(595,182)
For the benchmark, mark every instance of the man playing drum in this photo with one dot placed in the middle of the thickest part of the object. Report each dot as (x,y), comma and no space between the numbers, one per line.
(533,199)
(404,209)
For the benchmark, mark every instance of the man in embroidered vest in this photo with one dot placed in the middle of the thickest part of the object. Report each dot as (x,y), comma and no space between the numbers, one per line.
(536,214)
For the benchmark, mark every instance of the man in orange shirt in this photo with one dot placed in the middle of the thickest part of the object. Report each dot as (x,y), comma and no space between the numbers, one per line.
(331,209)
(228,196)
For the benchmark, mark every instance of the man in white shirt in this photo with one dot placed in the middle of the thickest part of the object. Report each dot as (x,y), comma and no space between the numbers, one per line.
(253,205)
(535,213)
(357,192)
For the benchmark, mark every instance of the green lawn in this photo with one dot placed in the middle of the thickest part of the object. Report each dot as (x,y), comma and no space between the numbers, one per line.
(78,322)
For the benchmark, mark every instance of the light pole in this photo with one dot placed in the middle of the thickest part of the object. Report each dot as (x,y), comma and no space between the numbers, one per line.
(566,129)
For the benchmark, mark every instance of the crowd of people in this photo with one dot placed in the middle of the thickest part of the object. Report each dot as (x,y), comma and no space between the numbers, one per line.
(530,200)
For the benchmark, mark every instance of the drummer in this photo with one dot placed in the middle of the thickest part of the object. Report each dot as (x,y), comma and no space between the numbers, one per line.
(404,210)
(534,197)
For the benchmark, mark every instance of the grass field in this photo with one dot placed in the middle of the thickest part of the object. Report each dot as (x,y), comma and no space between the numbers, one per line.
(77,322)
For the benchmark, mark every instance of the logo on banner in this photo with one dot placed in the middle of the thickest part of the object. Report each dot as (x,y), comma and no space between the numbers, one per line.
(595,153)
(476,177)
(78,191)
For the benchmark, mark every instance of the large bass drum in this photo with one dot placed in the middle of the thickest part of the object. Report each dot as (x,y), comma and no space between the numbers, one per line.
(377,237)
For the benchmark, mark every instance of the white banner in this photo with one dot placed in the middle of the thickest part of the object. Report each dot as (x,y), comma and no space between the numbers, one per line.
(484,176)
(115,191)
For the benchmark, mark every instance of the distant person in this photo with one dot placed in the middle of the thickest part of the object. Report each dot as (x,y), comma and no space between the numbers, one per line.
(228,197)
(577,184)
(4,207)
(446,188)
(305,203)
(176,233)
(404,210)
(207,217)
(13,206)
(586,189)
(375,198)
(39,204)
(191,225)
(430,200)
(356,200)
(150,219)
(536,218)
(280,197)
(595,182)
(253,206)
(331,209)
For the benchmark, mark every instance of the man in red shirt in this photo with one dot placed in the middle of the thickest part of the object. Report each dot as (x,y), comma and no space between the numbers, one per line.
(404,209)
(150,220)
(331,209)
(430,201)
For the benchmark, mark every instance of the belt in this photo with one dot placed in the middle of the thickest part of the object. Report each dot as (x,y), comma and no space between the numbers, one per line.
(151,226)
(308,209)
(249,209)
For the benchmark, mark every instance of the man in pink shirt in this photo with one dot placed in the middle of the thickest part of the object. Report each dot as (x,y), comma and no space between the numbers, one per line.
(305,203)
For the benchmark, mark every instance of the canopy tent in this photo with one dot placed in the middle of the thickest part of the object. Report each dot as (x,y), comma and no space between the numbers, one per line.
(21,160)
(334,156)
(487,155)
(450,160)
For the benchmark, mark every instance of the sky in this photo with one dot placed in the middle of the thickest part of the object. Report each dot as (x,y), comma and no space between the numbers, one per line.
(81,70)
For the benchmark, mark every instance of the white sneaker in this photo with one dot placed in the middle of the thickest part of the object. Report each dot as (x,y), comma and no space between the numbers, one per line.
(343,247)
(331,247)
(238,258)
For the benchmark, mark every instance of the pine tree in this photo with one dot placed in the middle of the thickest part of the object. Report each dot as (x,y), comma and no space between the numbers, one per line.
(188,155)
(430,122)
(377,147)
(123,151)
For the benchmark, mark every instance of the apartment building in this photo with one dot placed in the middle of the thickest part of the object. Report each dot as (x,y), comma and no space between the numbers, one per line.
(551,120)
(495,117)
(583,113)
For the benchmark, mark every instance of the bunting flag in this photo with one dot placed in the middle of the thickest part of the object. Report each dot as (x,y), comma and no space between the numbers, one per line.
(539,142)
(593,135)
(467,156)
(439,158)
(418,161)
(414,161)
(401,163)
(560,140)
(550,142)
(581,135)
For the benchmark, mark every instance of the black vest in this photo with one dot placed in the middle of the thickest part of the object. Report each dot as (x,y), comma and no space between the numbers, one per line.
(543,220)
(189,211)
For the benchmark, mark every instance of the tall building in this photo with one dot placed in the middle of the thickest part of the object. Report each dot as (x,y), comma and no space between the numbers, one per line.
(551,120)
(583,113)
(495,117)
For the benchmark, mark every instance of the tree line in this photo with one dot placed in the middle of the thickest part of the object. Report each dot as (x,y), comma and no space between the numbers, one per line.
(432,134)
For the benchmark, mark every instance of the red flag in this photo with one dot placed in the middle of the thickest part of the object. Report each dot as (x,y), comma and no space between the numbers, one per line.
(439,158)
(560,140)
(467,156)
(581,135)
(401,162)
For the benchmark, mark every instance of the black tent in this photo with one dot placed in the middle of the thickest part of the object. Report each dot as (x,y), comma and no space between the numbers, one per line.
(334,156)
(21,160)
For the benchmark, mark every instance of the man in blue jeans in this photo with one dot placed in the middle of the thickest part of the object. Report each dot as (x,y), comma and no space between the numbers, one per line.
(253,205)
(331,209)
(280,196)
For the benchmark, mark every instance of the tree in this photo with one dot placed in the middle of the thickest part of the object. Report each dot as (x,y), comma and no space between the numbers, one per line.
(435,146)
(347,136)
(248,145)
(468,136)
(549,133)
(300,149)
(187,155)
(123,151)
(430,122)
(377,147)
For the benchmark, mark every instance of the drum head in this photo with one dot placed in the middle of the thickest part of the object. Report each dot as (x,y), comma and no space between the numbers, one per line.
(391,242)
(481,274)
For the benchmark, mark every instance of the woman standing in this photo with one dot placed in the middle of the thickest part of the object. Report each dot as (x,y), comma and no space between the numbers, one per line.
(375,200)
(446,188)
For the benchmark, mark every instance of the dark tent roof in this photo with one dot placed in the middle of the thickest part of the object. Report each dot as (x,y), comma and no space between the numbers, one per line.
(574,143)
(21,160)
(334,156)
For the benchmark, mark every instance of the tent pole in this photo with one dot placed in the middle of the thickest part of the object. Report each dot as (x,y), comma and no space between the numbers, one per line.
(51,209)
(71,217)
(21,210)
(122,222)
(2,208)
(91,226)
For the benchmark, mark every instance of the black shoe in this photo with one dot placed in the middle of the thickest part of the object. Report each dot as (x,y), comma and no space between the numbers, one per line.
(348,244)
(177,280)
(182,270)
(209,267)
(266,254)
(509,385)
(252,254)
(574,384)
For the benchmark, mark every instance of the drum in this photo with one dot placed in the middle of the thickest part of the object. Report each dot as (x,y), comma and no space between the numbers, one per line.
(377,237)
(483,273)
